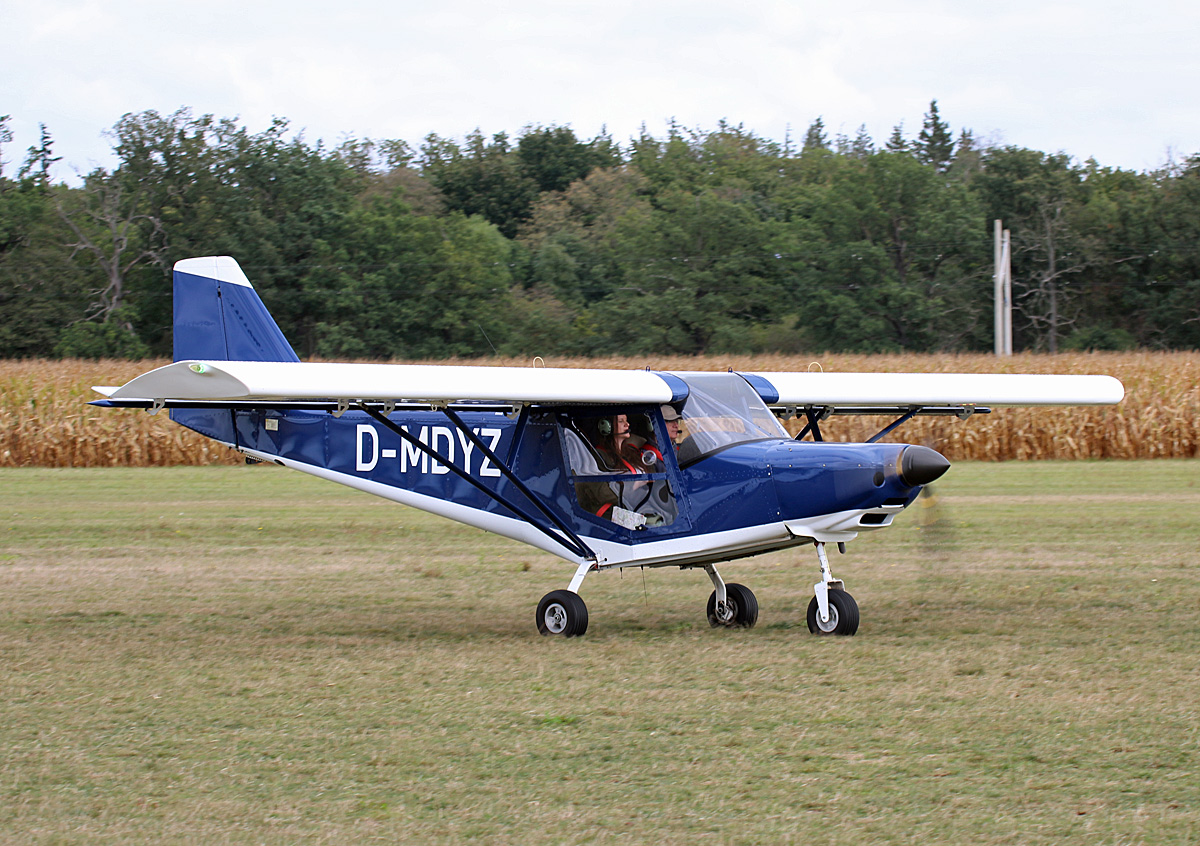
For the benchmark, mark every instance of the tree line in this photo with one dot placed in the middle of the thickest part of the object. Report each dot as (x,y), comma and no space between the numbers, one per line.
(696,241)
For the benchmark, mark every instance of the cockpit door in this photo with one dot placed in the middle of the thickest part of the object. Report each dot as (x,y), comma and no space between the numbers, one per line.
(624,483)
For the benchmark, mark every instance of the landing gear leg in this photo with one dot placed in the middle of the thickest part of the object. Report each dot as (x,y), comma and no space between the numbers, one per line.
(831,610)
(730,605)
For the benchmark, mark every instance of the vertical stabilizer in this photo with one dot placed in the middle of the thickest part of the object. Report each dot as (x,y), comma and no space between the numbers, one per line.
(219,316)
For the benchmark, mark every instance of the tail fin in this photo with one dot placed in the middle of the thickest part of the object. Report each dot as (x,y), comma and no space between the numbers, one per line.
(219,316)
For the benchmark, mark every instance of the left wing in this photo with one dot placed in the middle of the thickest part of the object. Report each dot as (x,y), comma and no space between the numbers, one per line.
(278,380)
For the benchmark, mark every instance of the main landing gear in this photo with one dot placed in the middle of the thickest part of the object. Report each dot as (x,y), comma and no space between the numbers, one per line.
(831,611)
(563,612)
(730,605)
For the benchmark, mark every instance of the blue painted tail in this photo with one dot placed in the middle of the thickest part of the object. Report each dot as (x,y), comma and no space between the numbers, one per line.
(219,316)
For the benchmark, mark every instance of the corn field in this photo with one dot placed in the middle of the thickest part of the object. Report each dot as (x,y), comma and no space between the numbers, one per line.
(45,420)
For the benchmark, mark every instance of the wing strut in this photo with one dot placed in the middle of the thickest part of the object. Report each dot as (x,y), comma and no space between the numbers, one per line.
(817,413)
(912,412)
(571,543)
(815,416)
(521,486)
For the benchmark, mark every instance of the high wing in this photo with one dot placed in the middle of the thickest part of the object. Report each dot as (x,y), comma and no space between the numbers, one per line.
(850,391)
(273,380)
(214,381)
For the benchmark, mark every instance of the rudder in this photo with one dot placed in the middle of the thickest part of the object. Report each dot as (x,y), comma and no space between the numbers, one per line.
(218,316)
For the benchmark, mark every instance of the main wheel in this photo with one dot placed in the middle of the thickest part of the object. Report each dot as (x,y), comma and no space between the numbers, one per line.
(843,615)
(741,608)
(562,612)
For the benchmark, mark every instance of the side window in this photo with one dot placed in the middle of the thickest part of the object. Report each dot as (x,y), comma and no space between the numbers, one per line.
(619,471)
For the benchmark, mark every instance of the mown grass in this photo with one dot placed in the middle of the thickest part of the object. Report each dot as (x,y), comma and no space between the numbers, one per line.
(246,655)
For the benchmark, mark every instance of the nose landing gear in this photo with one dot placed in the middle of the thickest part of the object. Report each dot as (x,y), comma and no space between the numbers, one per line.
(831,611)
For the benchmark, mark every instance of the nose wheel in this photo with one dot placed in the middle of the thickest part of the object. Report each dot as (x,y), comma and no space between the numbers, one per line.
(842,619)
(831,611)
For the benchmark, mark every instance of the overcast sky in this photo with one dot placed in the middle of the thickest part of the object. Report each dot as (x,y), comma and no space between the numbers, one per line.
(1113,80)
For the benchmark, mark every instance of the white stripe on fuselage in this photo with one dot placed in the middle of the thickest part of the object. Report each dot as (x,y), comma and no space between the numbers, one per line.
(690,549)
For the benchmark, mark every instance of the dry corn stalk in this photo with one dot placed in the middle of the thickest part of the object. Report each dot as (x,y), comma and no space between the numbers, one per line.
(45,420)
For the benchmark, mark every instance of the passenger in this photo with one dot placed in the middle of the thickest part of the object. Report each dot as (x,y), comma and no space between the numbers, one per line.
(654,498)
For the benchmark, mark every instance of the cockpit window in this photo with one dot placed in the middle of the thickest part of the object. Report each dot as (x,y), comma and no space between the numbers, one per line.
(721,410)
(619,471)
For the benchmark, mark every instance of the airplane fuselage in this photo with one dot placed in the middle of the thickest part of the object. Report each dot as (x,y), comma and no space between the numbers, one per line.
(740,500)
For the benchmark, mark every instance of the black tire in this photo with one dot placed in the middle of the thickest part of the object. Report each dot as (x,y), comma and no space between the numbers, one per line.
(563,613)
(744,604)
(843,615)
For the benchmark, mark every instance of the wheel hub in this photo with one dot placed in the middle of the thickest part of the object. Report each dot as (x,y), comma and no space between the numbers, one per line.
(556,618)
(830,624)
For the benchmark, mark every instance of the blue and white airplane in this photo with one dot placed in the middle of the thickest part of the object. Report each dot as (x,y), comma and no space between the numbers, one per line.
(603,468)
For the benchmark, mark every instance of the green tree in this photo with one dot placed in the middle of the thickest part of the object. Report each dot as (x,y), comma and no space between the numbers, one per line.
(816,138)
(405,285)
(483,178)
(896,142)
(1040,198)
(213,187)
(1164,296)
(575,237)
(897,266)
(697,276)
(108,224)
(935,143)
(41,289)
(693,160)
(554,158)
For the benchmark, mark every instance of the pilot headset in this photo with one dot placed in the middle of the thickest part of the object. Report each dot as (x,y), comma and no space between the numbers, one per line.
(605,426)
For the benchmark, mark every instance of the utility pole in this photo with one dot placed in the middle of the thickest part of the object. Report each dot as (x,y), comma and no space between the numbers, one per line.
(1002,279)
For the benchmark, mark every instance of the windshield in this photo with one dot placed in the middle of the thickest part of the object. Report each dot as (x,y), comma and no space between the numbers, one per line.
(722,409)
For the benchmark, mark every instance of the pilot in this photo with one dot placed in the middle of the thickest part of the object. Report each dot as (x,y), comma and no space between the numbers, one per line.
(671,418)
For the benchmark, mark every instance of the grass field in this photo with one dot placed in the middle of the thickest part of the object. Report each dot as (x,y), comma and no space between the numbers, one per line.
(246,655)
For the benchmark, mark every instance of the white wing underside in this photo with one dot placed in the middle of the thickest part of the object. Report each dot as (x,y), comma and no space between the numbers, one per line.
(256,380)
